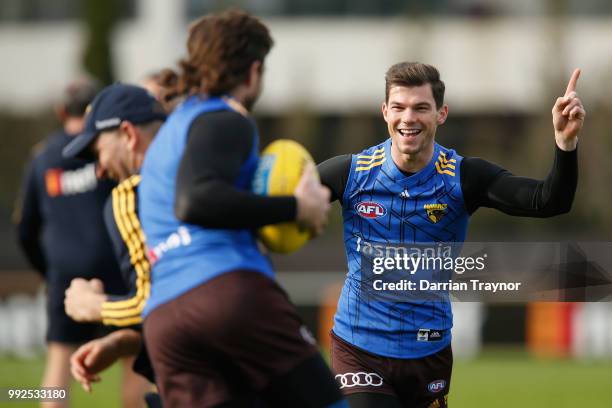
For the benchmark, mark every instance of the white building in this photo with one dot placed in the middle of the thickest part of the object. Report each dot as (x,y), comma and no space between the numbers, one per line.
(514,59)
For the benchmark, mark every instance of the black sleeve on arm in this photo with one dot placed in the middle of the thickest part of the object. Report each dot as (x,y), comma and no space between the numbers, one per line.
(218,144)
(334,174)
(486,184)
(30,222)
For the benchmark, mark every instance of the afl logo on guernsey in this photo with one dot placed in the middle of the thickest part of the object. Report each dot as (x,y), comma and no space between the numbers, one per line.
(436,386)
(370,209)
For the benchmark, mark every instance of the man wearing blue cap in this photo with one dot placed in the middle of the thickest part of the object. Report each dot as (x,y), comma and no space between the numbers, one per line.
(120,125)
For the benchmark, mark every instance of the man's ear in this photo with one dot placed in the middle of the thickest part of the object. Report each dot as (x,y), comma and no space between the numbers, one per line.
(384,110)
(442,114)
(131,132)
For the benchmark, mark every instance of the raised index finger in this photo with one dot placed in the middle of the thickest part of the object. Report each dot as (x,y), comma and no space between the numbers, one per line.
(571,85)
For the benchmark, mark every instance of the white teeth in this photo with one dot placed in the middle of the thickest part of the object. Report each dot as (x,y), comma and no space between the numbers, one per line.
(409,132)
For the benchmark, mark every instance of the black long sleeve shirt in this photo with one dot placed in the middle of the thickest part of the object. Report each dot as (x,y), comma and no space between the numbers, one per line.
(485,184)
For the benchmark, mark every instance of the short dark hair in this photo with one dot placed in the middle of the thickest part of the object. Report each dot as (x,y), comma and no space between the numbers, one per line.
(78,95)
(415,74)
(220,51)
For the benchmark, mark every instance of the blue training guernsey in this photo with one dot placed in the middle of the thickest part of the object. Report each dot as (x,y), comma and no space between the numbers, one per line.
(383,208)
(184,256)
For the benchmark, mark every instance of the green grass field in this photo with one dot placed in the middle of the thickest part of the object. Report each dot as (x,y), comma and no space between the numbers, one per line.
(513,379)
(27,373)
(499,378)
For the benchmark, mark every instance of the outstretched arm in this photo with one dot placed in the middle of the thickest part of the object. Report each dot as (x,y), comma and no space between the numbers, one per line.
(488,185)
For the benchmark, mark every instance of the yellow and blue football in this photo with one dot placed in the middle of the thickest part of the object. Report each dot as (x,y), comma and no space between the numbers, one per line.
(280,168)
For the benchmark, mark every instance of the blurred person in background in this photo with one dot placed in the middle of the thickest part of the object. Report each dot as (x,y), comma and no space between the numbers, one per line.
(122,122)
(60,228)
(219,330)
(152,83)
(409,190)
(162,85)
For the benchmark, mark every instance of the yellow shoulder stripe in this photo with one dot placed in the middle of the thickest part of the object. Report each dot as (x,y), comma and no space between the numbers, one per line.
(371,160)
(378,153)
(442,158)
(444,171)
(371,165)
(446,165)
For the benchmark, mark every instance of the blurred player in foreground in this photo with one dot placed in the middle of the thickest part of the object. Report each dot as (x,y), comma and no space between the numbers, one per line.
(407,190)
(218,328)
(119,129)
(62,233)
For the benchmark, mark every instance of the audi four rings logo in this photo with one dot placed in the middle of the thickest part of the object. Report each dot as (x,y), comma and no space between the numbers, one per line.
(361,379)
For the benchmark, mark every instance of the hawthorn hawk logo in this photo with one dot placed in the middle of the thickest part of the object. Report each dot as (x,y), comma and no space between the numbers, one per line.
(435,212)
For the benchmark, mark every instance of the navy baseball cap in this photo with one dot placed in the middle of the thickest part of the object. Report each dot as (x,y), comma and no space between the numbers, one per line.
(113,105)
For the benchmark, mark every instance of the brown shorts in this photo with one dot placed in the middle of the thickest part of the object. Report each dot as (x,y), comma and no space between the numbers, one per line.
(422,382)
(225,339)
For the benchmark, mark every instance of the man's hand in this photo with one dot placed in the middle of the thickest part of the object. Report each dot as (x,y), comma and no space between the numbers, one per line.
(312,201)
(99,354)
(568,116)
(83,301)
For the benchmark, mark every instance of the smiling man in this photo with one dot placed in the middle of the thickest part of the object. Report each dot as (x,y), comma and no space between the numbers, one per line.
(121,123)
(120,126)
(407,190)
